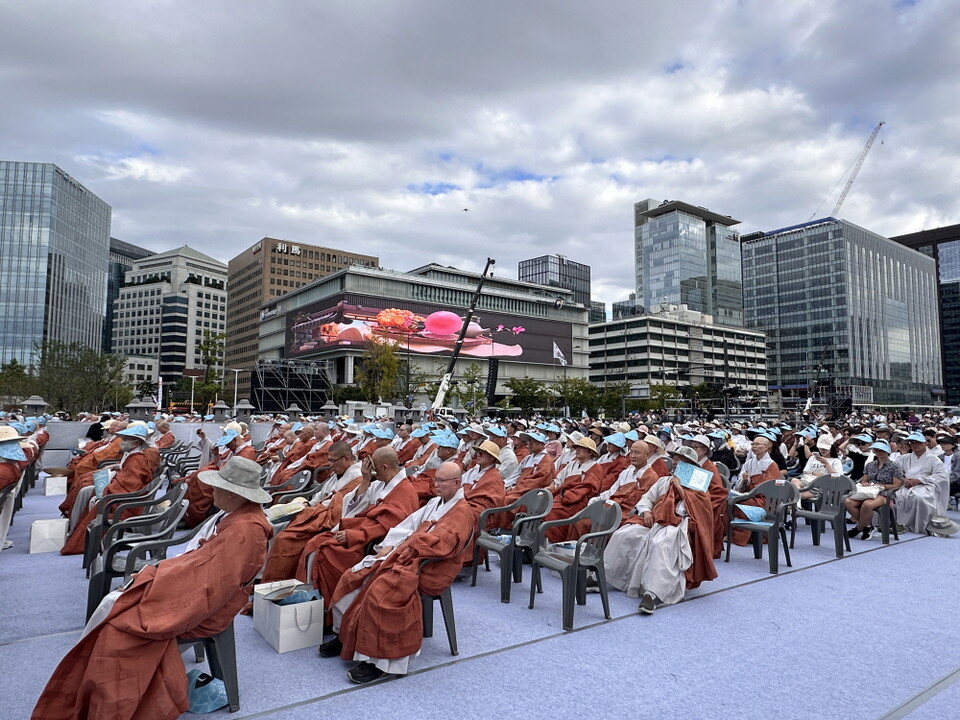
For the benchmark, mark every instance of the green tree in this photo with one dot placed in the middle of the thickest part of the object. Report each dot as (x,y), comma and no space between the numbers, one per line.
(16,383)
(529,393)
(210,348)
(147,389)
(343,393)
(578,394)
(76,378)
(613,398)
(470,390)
(378,370)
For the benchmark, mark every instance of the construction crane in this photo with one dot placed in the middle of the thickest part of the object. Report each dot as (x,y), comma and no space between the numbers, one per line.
(857,164)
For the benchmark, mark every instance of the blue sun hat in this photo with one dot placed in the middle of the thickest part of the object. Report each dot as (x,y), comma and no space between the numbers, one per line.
(383,433)
(915,437)
(631,435)
(139,432)
(227,438)
(535,436)
(882,445)
(447,440)
(497,431)
(617,439)
(419,432)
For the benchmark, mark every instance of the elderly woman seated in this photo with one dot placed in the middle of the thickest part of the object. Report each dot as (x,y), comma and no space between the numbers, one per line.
(880,479)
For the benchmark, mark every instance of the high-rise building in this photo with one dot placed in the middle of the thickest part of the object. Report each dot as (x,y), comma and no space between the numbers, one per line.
(688,255)
(627,308)
(54,246)
(598,312)
(850,317)
(122,257)
(558,271)
(164,307)
(261,273)
(943,245)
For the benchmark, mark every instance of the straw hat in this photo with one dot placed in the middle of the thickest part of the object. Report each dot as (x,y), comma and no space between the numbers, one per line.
(589,444)
(239,476)
(491,449)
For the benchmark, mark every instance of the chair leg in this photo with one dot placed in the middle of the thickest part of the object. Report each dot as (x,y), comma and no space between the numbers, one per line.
(793,530)
(506,574)
(757,545)
(729,541)
(199,655)
(581,586)
(223,664)
(476,559)
(838,535)
(786,550)
(94,593)
(534,581)
(602,581)
(569,591)
(516,562)
(446,606)
(816,528)
(773,540)
(426,601)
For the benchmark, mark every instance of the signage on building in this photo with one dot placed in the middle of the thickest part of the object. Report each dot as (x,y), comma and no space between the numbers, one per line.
(269,313)
(286,248)
(423,328)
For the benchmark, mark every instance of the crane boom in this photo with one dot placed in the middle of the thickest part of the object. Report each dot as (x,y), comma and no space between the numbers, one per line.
(856,168)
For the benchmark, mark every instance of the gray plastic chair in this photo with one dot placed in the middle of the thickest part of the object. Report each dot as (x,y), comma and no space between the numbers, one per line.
(778,495)
(446,604)
(536,505)
(221,651)
(108,513)
(832,491)
(604,520)
(724,474)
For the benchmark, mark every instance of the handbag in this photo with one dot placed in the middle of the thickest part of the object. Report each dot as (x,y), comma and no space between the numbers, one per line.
(868,492)
(205,693)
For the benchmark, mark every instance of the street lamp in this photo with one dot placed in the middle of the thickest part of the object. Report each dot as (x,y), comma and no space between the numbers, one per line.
(236,374)
(193,384)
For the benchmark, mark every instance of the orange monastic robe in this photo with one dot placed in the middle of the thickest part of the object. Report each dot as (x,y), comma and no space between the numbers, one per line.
(483,493)
(129,666)
(134,474)
(763,470)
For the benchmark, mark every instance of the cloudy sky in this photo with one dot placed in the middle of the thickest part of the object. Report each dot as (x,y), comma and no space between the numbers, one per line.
(371,125)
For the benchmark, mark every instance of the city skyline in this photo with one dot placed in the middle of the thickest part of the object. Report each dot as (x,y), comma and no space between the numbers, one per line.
(423,132)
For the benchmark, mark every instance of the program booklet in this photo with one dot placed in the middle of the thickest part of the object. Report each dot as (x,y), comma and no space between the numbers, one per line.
(693,477)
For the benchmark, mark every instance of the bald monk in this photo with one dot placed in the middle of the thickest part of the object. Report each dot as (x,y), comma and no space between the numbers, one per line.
(200,494)
(325,511)
(758,468)
(316,457)
(423,480)
(389,498)
(127,665)
(377,613)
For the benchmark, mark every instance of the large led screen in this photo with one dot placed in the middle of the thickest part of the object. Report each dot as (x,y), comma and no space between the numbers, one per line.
(424,328)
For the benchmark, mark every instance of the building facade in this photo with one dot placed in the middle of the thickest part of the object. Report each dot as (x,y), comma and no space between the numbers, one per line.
(850,316)
(558,271)
(673,345)
(54,245)
(122,257)
(263,272)
(598,311)
(519,330)
(943,245)
(626,308)
(688,255)
(168,304)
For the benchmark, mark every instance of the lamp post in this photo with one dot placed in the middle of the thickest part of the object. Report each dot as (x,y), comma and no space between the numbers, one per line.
(193,384)
(236,375)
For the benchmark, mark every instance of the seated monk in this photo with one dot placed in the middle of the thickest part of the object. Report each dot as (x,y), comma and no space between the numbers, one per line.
(315,457)
(199,493)
(426,448)
(134,472)
(573,487)
(390,500)
(667,548)
(758,468)
(536,471)
(482,486)
(614,460)
(300,448)
(165,438)
(82,472)
(377,614)
(718,492)
(335,500)
(127,664)
(405,445)
(423,480)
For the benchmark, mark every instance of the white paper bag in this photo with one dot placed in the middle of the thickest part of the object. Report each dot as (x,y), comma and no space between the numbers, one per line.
(48,535)
(293,627)
(259,592)
(55,485)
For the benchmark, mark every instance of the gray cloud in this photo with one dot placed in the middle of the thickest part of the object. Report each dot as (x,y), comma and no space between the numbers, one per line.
(372,126)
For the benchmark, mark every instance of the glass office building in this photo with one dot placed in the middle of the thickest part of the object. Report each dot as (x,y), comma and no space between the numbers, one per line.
(558,271)
(688,255)
(943,245)
(54,251)
(850,317)
(122,257)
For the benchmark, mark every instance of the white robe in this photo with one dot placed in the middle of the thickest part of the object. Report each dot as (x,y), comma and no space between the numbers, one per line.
(916,505)
(640,559)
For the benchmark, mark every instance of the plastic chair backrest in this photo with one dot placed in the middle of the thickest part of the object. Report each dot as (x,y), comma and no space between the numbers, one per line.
(724,473)
(535,502)
(603,517)
(834,489)
(776,495)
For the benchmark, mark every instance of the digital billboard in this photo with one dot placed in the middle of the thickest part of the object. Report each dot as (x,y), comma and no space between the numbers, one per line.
(354,320)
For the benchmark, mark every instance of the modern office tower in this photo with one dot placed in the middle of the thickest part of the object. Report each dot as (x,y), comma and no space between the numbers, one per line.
(943,245)
(688,255)
(122,257)
(54,245)
(627,308)
(850,317)
(167,302)
(671,345)
(558,271)
(598,311)
(261,273)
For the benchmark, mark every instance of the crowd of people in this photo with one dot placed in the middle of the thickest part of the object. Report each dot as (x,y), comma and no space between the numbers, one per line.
(385,496)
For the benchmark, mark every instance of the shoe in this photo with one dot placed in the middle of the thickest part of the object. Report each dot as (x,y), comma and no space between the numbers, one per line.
(7,544)
(853,532)
(331,648)
(247,609)
(364,673)
(867,532)
(851,521)
(648,604)
(591,585)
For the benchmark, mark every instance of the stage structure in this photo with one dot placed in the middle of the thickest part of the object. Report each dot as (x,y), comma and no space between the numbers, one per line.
(278,384)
